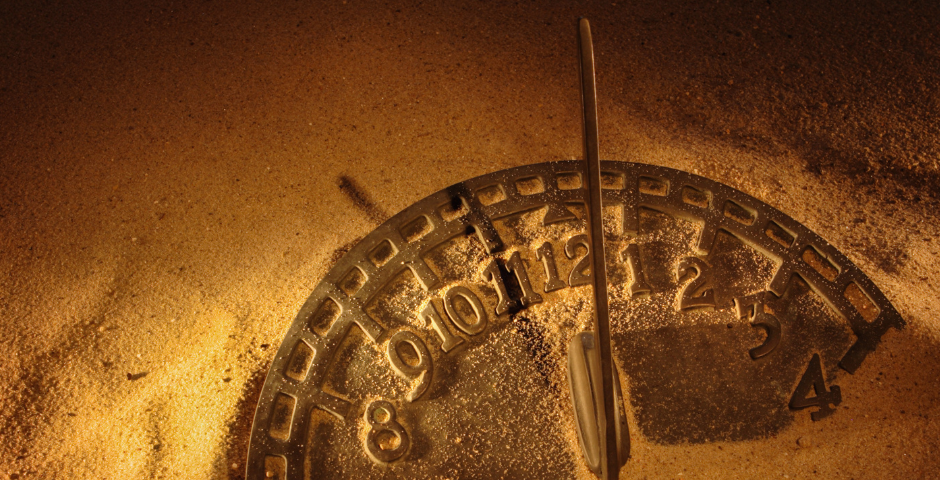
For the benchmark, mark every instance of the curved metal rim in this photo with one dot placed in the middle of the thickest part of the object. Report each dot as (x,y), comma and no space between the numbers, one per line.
(658,188)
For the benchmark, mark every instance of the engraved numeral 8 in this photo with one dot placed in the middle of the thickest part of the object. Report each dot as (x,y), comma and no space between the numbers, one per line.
(386,440)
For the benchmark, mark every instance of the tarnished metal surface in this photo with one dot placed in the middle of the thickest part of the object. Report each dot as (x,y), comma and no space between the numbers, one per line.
(436,348)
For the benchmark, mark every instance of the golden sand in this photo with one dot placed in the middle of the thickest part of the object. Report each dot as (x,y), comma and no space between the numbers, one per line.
(170,190)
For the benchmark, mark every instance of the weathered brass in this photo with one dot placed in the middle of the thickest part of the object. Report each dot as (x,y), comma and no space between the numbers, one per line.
(450,342)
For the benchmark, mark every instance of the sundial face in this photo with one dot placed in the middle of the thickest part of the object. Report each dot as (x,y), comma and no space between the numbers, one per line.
(731,324)
(449,342)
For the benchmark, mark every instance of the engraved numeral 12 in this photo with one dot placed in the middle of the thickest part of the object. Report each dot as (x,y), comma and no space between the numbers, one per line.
(638,283)
(547,256)
(580,274)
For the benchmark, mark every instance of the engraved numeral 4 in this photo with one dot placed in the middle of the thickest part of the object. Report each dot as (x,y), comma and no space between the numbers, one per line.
(813,379)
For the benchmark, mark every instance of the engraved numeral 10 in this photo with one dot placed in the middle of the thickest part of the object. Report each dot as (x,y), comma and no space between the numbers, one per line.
(471,324)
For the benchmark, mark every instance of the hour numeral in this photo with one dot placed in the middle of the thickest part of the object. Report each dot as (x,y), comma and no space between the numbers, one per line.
(448,340)
(753,307)
(547,256)
(638,283)
(470,320)
(699,270)
(517,266)
(386,440)
(580,274)
(457,315)
(492,274)
(813,379)
(409,368)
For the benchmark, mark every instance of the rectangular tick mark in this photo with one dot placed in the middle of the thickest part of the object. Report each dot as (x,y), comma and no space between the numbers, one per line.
(695,197)
(324,316)
(738,213)
(612,181)
(454,209)
(353,281)
(862,303)
(382,253)
(821,264)
(530,185)
(491,195)
(282,415)
(300,360)
(779,234)
(416,229)
(653,186)
(568,180)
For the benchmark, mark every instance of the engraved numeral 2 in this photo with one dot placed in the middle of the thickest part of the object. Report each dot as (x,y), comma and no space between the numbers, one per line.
(580,274)
(813,380)
(699,268)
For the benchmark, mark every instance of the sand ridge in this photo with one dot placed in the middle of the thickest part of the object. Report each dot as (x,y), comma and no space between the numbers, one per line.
(170,180)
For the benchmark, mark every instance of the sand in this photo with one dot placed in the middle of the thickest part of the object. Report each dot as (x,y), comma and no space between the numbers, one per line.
(176,178)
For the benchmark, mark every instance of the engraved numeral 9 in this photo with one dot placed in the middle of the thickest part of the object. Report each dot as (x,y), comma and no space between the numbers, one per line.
(386,440)
(419,370)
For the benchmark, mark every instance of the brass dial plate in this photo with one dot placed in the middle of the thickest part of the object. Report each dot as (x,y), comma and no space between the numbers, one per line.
(436,348)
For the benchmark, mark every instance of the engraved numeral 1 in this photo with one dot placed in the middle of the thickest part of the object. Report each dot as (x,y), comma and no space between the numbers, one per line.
(579,274)
(638,283)
(547,256)
(517,266)
(448,339)
(492,275)
(421,370)
(813,379)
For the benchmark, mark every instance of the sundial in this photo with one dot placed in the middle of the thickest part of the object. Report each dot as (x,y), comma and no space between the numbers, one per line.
(570,319)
